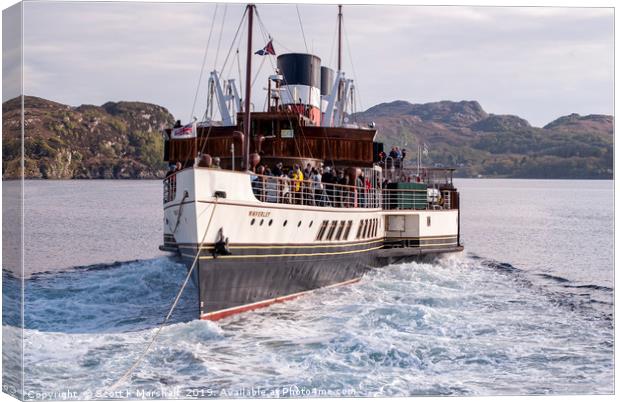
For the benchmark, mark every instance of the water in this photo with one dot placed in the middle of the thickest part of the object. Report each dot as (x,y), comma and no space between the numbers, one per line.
(528,309)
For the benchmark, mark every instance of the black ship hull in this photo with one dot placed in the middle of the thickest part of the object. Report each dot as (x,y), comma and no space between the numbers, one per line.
(255,277)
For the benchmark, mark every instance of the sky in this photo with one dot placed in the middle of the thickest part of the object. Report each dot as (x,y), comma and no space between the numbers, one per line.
(535,62)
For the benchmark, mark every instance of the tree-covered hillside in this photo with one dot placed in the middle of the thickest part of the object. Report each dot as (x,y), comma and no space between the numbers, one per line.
(115,140)
(463,135)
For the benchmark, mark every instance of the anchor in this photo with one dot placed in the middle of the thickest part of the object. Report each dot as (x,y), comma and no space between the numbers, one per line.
(221,245)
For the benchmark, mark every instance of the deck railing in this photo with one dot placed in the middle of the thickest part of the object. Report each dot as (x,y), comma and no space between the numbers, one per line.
(415,199)
(170,188)
(285,190)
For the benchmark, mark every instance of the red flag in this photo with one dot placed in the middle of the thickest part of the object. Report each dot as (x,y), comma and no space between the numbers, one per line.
(268,49)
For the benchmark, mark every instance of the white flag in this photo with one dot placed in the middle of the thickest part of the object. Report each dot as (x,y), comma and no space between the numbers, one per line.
(187,131)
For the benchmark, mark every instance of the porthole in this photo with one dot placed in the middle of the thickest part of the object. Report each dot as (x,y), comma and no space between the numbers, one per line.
(270,222)
(252,221)
(261,222)
(428,221)
(310,225)
(299,224)
(285,222)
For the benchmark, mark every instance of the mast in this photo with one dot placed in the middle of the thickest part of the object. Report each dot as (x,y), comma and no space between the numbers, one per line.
(339,47)
(248,91)
(339,37)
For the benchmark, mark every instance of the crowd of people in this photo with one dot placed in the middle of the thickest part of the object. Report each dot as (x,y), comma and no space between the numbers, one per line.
(323,186)
(313,186)
(395,158)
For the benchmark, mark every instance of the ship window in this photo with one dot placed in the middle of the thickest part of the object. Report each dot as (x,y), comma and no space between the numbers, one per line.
(285,222)
(376,227)
(365,228)
(261,222)
(252,221)
(428,221)
(286,133)
(310,225)
(331,231)
(299,224)
(319,235)
(371,230)
(359,230)
(340,229)
(347,230)
(270,222)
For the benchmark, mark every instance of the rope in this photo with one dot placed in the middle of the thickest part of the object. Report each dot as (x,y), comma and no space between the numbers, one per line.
(301,25)
(174,304)
(219,41)
(180,212)
(333,46)
(204,61)
(232,45)
(346,37)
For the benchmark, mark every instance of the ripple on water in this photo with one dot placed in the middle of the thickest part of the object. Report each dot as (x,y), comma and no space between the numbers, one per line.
(455,326)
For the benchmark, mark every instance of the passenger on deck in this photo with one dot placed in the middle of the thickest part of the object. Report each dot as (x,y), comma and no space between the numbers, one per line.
(306,188)
(308,171)
(317,188)
(360,189)
(342,192)
(171,169)
(258,183)
(368,192)
(329,179)
(298,178)
(205,161)
(277,170)
(216,163)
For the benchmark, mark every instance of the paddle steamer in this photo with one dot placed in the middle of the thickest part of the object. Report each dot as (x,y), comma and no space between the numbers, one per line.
(260,238)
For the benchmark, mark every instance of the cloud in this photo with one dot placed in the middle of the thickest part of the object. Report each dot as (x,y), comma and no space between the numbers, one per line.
(11,52)
(536,62)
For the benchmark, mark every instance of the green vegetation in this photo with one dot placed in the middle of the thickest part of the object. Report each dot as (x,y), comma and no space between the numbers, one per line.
(116,140)
(574,146)
(123,140)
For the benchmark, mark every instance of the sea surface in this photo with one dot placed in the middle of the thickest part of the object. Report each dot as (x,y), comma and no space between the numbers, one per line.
(526,309)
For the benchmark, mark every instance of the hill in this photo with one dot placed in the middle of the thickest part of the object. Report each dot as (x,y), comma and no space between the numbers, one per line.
(111,141)
(123,140)
(463,135)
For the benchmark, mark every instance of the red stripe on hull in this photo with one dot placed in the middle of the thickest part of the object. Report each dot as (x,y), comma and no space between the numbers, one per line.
(218,315)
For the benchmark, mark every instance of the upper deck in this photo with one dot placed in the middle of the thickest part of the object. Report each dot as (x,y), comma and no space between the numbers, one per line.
(276,136)
(435,191)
